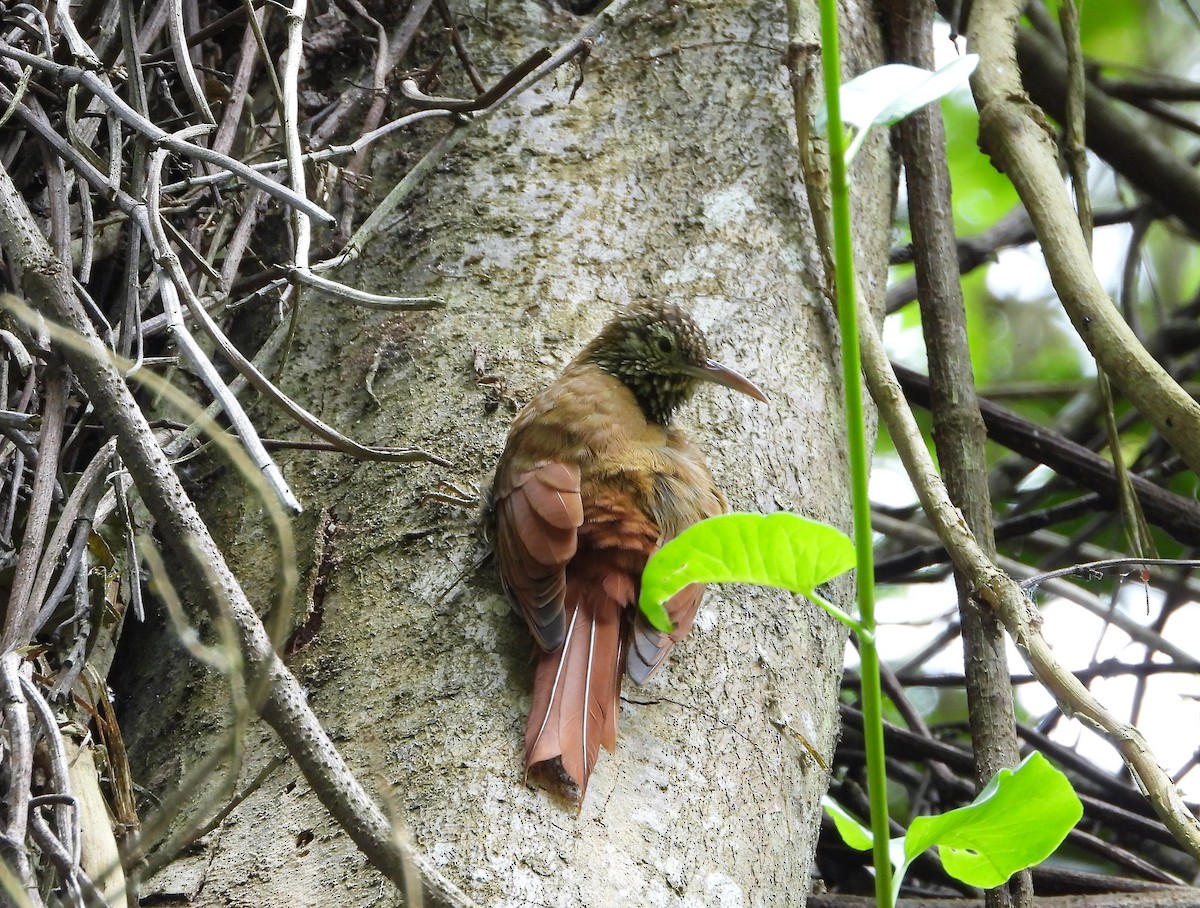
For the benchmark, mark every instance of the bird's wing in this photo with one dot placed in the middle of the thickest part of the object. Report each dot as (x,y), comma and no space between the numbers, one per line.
(538,512)
(684,495)
(648,646)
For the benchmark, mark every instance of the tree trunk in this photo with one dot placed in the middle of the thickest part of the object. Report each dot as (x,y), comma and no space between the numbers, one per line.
(672,172)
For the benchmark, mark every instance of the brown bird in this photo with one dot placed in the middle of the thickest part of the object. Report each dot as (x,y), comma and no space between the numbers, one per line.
(593,480)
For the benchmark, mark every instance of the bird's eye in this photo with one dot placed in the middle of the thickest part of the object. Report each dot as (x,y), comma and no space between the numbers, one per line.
(665,344)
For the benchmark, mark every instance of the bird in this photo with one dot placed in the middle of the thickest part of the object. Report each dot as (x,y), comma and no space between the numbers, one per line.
(593,479)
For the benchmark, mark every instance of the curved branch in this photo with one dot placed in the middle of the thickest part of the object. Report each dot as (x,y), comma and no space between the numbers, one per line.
(1018,138)
(73,75)
(1176,514)
(1020,618)
(1133,151)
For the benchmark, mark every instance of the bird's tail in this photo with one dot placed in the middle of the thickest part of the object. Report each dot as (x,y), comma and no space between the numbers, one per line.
(577,689)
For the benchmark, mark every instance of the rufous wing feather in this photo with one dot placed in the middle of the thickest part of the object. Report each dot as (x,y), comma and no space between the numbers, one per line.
(648,646)
(538,512)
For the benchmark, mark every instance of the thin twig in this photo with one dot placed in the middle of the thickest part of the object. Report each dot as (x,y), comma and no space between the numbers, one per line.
(73,75)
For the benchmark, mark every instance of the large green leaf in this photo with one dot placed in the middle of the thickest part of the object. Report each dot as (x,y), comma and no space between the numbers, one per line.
(853,833)
(1017,821)
(780,550)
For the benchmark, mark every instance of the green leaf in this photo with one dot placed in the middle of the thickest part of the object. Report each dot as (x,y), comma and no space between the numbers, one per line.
(1017,821)
(780,550)
(853,833)
(887,94)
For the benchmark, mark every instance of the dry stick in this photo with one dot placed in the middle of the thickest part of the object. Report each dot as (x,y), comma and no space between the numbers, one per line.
(61,859)
(1183,583)
(460,47)
(101,859)
(301,273)
(152,26)
(1108,564)
(79,47)
(169,264)
(73,75)
(1178,515)
(249,61)
(958,429)
(257,24)
(1111,667)
(183,63)
(352,100)
(253,205)
(289,120)
(1015,133)
(804,78)
(1059,588)
(328,153)
(379,98)
(1012,230)
(173,283)
(1124,143)
(285,707)
(208,31)
(67,820)
(93,474)
(1006,598)
(21,611)
(413,93)
(308,420)
(1136,530)
(363,298)
(132,338)
(942,775)
(19,772)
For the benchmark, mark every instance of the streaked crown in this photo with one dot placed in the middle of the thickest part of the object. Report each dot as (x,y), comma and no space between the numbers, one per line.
(655,348)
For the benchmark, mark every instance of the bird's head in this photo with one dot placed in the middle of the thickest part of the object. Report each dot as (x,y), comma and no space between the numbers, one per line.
(656,349)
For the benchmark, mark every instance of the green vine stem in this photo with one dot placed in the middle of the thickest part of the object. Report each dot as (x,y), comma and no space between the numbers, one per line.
(856,436)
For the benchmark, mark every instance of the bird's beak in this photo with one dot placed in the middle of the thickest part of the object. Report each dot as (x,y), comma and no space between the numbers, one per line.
(713,371)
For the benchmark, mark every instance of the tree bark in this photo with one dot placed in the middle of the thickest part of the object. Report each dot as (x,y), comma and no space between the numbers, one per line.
(672,172)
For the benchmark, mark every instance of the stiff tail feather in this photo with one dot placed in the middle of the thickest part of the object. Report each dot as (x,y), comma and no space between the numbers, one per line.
(576,691)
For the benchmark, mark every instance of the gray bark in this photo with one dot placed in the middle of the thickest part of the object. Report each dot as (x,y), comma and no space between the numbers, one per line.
(673,173)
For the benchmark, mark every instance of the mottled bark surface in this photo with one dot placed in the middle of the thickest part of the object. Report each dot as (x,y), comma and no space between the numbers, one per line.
(672,172)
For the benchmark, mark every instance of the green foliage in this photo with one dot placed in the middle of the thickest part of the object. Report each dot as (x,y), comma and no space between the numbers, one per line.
(853,833)
(990,359)
(782,550)
(1118,30)
(1017,821)
(887,94)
